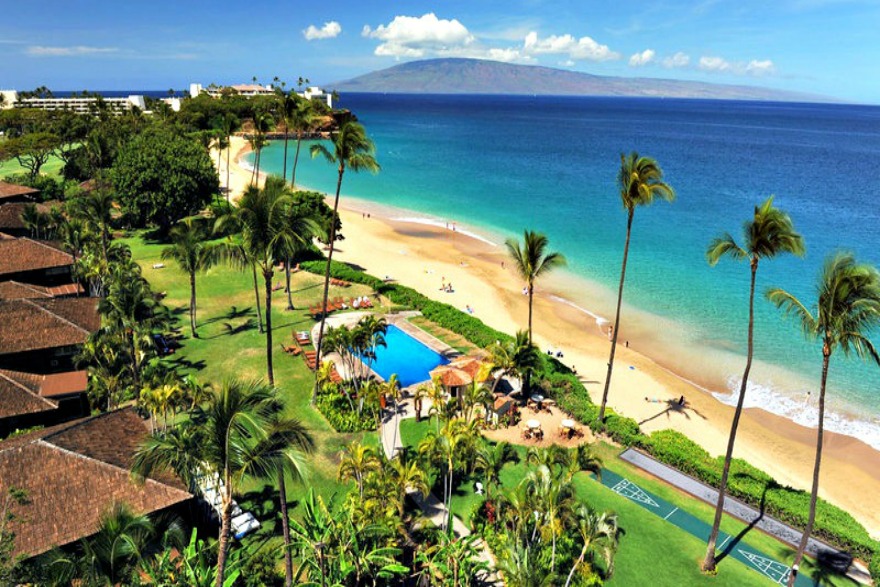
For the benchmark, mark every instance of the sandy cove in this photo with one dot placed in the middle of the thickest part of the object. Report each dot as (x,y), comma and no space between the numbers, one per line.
(422,256)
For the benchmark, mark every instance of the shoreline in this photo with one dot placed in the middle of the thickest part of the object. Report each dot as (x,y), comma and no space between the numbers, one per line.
(420,251)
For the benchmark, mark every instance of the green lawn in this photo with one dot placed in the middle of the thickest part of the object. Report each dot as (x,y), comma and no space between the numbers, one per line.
(230,345)
(652,551)
(11,167)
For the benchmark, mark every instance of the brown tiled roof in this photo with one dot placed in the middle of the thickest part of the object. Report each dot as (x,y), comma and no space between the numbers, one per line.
(470,365)
(68,289)
(18,398)
(49,385)
(30,325)
(24,254)
(72,474)
(451,376)
(14,290)
(12,190)
(10,214)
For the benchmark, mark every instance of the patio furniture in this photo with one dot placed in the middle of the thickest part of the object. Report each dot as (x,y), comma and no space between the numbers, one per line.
(534,424)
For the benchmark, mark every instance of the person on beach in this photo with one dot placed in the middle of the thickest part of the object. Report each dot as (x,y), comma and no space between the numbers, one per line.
(681,401)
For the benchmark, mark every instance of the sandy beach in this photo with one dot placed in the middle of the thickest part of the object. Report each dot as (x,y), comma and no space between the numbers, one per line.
(422,256)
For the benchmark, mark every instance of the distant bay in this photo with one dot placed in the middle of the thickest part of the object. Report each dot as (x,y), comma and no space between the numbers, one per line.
(503,163)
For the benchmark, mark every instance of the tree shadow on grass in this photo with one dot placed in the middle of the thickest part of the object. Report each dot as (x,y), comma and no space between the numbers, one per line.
(731,544)
(230,329)
(184,363)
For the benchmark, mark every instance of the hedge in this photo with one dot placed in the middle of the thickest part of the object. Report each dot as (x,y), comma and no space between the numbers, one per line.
(746,483)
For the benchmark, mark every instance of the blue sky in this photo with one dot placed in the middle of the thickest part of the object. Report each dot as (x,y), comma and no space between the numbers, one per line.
(827,47)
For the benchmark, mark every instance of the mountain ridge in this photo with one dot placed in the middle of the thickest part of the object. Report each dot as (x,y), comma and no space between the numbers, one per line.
(479,76)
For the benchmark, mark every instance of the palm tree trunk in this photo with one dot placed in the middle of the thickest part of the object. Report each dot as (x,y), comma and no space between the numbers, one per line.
(327,283)
(228,151)
(284,165)
(192,304)
(267,274)
(814,494)
(296,158)
(531,294)
(285,529)
(223,547)
(629,221)
(577,563)
(287,263)
(709,561)
(257,295)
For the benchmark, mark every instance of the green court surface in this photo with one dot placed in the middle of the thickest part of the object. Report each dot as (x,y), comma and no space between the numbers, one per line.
(728,545)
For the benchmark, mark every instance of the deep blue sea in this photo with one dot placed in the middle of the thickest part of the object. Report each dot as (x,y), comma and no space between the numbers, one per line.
(499,164)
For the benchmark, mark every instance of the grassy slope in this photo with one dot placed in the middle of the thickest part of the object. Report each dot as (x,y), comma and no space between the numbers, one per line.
(648,539)
(11,167)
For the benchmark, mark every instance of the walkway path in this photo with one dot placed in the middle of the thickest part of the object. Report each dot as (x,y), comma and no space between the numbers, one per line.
(431,507)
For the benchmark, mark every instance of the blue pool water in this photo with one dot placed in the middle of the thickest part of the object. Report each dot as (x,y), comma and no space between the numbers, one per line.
(404,355)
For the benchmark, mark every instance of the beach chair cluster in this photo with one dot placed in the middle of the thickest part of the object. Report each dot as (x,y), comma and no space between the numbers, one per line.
(338,303)
(339,282)
(535,434)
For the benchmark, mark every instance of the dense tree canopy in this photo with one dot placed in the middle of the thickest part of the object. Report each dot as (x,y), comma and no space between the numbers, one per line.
(161,177)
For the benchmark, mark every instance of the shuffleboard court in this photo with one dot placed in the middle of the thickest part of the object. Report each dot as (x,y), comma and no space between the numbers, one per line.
(728,546)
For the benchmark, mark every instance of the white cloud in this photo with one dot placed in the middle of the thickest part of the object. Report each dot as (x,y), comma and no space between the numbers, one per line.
(507,55)
(754,67)
(567,63)
(44,51)
(328,31)
(410,36)
(678,60)
(583,49)
(714,64)
(643,58)
(758,68)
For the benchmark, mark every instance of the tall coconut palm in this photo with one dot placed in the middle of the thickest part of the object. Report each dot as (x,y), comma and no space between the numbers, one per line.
(447,447)
(262,123)
(531,260)
(267,232)
(283,435)
(491,458)
(514,357)
(640,180)
(357,461)
(228,125)
(352,149)
(769,233)
(847,309)
(193,255)
(303,118)
(233,438)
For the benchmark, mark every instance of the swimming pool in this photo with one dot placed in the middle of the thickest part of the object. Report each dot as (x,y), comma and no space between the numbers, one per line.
(406,356)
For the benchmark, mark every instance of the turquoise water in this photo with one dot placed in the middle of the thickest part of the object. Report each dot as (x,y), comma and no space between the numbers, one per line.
(498,165)
(404,355)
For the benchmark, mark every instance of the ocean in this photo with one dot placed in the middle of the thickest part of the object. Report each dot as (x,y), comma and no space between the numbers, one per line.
(496,165)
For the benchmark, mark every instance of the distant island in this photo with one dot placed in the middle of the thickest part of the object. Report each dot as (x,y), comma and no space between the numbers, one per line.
(478,76)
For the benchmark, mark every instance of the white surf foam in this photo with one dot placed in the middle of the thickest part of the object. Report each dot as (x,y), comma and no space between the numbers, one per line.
(600,321)
(801,408)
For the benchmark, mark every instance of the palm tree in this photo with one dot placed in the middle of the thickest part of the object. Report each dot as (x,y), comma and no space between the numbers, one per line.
(193,255)
(514,357)
(357,461)
(521,567)
(406,476)
(847,308)
(531,260)
(354,150)
(233,438)
(595,531)
(267,231)
(262,122)
(287,104)
(228,125)
(287,443)
(555,497)
(96,210)
(641,182)
(491,458)
(302,119)
(769,233)
(447,447)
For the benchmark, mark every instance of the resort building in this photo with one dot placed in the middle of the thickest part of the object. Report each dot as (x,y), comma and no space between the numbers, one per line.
(12,193)
(34,262)
(310,93)
(11,99)
(73,473)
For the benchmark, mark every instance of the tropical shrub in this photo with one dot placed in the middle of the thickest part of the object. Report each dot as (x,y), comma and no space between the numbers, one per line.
(874,567)
(341,417)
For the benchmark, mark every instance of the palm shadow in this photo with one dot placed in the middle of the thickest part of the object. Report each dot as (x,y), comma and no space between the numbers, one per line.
(184,363)
(731,544)
(673,406)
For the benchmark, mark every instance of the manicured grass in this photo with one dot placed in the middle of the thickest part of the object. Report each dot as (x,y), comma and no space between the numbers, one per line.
(11,167)
(230,345)
(652,551)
